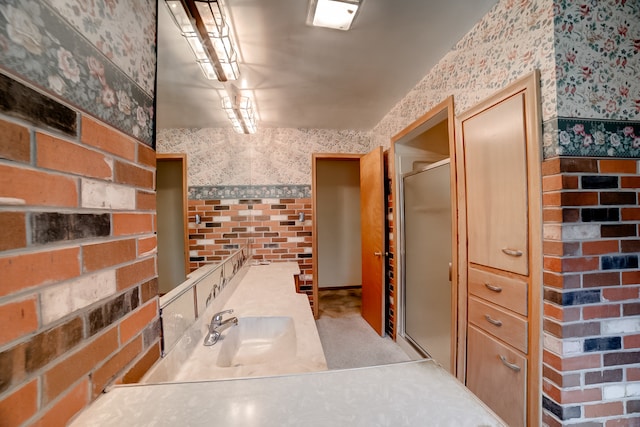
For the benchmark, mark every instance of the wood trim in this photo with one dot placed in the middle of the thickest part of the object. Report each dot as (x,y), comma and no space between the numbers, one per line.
(529,85)
(185,202)
(445,110)
(314,228)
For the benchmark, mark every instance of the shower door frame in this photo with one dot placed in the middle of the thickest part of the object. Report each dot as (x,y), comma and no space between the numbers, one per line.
(440,112)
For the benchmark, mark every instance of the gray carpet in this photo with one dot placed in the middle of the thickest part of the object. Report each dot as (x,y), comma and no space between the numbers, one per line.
(349,342)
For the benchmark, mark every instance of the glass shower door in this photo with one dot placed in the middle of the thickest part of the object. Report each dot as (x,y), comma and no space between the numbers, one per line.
(427,258)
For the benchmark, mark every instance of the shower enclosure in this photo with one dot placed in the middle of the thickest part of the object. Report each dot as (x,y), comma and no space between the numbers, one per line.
(427,260)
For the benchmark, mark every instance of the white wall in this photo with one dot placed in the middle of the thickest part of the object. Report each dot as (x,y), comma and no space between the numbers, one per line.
(338,222)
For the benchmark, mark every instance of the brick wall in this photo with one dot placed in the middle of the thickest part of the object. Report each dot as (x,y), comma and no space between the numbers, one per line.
(270,224)
(591,362)
(78,289)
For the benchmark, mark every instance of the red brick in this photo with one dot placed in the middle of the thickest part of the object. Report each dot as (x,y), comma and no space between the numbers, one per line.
(66,408)
(552,215)
(54,153)
(147,246)
(61,376)
(580,264)
(567,364)
(551,390)
(633,374)
(551,167)
(552,264)
(15,143)
(139,368)
(632,341)
(631,277)
(132,223)
(583,395)
(551,199)
(598,280)
(23,271)
(37,188)
(19,318)
(631,421)
(137,321)
(146,201)
(620,294)
(630,214)
(102,255)
(133,274)
(600,311)
(581,198)
(618,166)
(20,405)
(126,173)
(107,139)
(564,314)
(109,370)
(578,164)
(13,228)
(146,155)
(630,181)
(608,409)
(600,247)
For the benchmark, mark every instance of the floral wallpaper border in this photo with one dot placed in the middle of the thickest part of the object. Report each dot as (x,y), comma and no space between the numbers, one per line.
(220,192)
(43,48)
(591,138)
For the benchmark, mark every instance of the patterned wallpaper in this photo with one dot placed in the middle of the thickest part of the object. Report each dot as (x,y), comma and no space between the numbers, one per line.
(510,41)
(271,157)
(597,52)
(97,56)
(123,30)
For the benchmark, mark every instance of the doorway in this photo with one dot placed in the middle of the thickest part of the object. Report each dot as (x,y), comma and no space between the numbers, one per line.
(171,201)
(348,230)
(423,157)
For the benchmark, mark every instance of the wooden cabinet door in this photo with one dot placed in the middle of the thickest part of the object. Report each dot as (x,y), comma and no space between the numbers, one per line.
(497,375)
(494,143)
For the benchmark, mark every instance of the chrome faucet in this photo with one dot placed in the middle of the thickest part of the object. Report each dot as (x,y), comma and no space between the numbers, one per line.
(217,325)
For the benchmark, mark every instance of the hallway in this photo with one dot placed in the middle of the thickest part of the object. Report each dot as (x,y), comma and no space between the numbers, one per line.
(348,341)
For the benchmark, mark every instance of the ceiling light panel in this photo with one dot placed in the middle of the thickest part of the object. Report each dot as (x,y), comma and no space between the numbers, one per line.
(332,13)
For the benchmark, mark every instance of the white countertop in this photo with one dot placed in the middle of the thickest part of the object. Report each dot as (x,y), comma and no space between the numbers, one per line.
(418,393)
(265,290)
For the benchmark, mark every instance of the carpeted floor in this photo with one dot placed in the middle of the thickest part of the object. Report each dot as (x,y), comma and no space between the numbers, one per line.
(348,341)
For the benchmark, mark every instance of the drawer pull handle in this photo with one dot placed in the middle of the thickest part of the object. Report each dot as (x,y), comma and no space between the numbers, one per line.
(493,288)
(512,252)
(511,366)
(493,321)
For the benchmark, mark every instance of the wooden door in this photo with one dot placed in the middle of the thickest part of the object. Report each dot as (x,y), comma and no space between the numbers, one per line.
(372,211)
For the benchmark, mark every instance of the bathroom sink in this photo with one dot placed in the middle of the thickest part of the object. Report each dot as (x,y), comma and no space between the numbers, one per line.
(258,340)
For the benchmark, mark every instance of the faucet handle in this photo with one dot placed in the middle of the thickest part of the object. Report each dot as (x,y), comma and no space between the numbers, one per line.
(218,316)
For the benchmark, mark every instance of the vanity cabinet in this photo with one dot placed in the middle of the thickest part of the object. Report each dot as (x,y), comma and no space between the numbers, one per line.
(499,142)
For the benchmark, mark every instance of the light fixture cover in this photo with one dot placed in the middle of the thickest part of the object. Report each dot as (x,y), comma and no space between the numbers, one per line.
(240,113)
(202,23)
(337,14)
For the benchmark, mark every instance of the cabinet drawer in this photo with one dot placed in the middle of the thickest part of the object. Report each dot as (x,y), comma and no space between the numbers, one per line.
(505,326)
(498,376)
(505,291)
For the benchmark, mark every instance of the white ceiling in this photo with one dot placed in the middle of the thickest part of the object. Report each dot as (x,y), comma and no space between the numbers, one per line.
(308,77)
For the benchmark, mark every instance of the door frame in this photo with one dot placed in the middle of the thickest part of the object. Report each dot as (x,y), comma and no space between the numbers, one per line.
(314,229)
(438,113)
(182,158)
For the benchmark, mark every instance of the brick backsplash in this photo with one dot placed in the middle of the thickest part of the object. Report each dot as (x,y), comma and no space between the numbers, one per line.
(78,258)
(271,227)
(591,291)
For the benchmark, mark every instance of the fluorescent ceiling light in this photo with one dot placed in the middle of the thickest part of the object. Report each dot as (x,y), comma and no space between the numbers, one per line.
(203,24)
(337,14)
